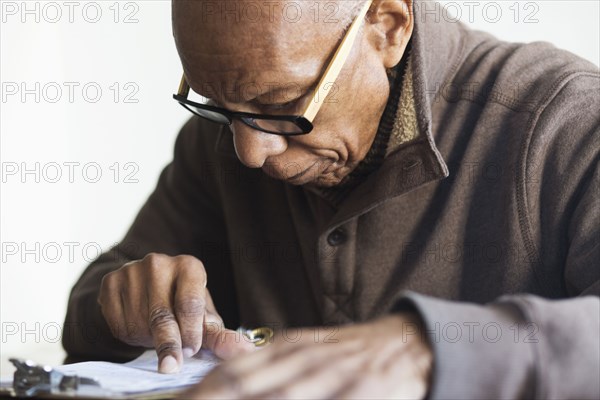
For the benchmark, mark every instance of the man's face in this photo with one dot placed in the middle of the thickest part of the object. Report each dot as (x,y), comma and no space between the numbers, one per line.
(269,62)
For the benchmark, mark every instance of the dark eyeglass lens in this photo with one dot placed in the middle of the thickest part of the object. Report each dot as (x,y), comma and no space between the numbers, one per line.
(273,126)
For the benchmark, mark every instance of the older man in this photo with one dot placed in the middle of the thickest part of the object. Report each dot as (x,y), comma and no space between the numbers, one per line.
(431,207)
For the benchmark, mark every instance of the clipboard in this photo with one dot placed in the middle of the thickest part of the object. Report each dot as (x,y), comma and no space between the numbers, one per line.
(100,380)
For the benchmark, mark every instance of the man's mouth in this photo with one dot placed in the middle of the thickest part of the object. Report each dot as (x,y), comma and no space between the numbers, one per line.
(298,176)
(316,169)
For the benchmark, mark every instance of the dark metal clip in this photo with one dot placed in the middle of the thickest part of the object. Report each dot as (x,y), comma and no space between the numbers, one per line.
(31,379)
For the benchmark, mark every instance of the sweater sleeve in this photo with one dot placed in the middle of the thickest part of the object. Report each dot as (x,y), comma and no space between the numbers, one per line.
(180,217)
(521,345)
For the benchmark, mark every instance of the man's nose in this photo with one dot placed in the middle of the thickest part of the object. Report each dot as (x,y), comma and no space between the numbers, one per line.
(253,147)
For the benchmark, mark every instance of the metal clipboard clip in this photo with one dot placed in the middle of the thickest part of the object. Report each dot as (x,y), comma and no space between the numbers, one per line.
(259,336)
(31,379)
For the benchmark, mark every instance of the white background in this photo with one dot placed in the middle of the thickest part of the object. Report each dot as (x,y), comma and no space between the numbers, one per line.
(76,216)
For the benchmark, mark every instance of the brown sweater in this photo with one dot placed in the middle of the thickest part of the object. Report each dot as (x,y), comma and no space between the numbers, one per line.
(486,222)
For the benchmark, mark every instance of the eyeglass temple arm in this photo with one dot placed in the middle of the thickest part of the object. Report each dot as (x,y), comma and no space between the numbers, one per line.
(184,87)
(336,64)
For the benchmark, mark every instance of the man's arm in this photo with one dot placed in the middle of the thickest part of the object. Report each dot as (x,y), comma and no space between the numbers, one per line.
(524,346)
(180,217)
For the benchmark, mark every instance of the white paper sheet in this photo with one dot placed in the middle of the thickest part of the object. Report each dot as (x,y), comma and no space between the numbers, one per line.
(141,376)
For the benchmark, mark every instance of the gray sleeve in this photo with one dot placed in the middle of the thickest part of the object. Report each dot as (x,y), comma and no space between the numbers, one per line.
(520,346)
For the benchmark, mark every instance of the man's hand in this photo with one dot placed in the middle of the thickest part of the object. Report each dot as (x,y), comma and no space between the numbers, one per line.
(387,358)
(163,302)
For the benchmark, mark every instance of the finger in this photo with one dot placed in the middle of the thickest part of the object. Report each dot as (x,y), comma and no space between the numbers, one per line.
(111,305)
(282,371)
(163,326)
(324,381)
(134,300)
(289,363)
(292,337)
(190,304)
(255,359)
(225,343)
(213,386)
(392,377)
(166,338)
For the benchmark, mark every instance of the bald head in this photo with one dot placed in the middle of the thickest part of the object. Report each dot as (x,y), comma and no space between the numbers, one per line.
(273,18)
(235,42)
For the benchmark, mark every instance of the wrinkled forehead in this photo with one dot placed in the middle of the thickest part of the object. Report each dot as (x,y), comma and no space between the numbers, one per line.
(229,44)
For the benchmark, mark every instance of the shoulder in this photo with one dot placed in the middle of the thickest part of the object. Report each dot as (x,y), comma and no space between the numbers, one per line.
(520,76)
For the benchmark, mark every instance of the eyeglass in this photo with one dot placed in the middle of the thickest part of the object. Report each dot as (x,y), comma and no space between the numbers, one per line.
(285,125)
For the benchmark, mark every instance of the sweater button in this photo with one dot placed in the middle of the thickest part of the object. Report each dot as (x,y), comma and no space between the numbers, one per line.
(336,238)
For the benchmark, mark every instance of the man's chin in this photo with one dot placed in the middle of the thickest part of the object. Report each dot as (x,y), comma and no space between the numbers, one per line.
(326,181)
(314,175)
(321,181)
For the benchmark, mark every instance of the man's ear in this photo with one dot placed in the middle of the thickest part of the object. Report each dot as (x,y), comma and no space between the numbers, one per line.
(390,25)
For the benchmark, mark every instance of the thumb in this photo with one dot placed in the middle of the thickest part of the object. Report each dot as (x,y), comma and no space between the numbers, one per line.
(225,343)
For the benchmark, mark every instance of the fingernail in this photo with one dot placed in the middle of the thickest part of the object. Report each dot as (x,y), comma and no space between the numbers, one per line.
(188,352)
(168,365)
